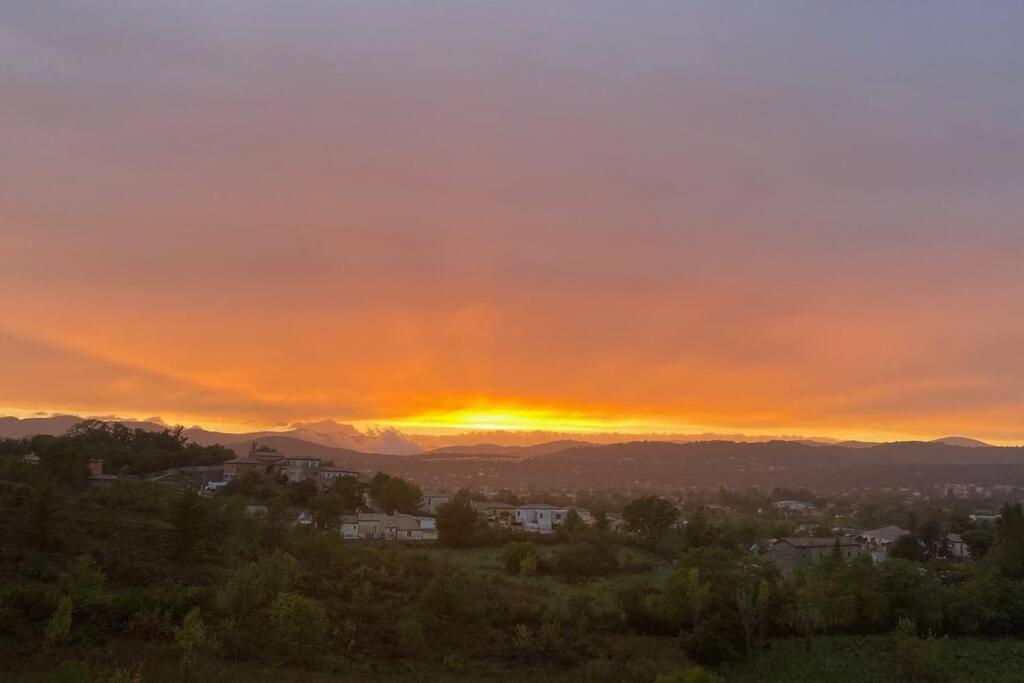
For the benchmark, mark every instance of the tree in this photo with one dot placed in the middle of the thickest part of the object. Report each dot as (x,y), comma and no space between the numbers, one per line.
(1008,551)
(698,532)
(573,521)
(327,510)
(649,516)
(394,493)
(188,525)
(979,541)
(83,581)
(456,522)
(58,628)
(933,538)
(601,520)
(298,627)
(192,638)
(303,492)
(907,547)
(41,517)
(350,489)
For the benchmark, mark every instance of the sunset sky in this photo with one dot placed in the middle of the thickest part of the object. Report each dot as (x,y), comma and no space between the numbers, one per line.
(745,217)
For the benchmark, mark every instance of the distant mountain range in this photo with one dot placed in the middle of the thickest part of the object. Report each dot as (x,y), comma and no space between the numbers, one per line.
(654,465)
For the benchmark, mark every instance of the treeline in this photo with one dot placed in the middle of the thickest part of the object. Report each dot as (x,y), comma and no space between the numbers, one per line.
(124,451)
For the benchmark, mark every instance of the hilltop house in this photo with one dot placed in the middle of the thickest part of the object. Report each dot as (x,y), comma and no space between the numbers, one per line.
(258,462)
(789,553)
(301,468)
(540,517)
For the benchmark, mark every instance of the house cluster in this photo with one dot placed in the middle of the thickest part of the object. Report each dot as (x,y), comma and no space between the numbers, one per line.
(540,518)
(295,469)
(788,553)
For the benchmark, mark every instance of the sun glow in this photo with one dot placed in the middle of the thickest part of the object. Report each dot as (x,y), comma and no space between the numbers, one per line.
(528,420)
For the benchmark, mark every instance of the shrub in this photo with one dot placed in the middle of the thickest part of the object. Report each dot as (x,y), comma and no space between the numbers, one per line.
(514,554)
(692,675)
(920,660)
(410,637)
(584,560)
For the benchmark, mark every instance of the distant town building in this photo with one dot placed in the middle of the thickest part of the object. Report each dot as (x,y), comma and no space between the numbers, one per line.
(256,510)
(789,553)
(329,474)
(792,506)
(502,514)
(878,541)
(989,516)
(957,548)
(432,500)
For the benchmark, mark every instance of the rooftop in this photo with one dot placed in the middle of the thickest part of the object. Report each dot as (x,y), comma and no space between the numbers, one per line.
(887,534)
(817,542)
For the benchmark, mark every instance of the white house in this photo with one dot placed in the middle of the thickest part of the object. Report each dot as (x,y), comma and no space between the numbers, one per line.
(792,505)
(957,547)
(350,526)
(432,500)
(540,517)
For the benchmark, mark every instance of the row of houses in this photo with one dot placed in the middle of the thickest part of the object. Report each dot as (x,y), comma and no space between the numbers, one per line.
(384,527)
(294,468)
(789,553)
(533,517)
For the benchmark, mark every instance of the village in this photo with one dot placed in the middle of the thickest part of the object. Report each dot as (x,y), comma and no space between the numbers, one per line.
(787,553)
(807,544)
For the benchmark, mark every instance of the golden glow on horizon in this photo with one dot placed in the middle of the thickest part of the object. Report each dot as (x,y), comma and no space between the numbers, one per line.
(515,420)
